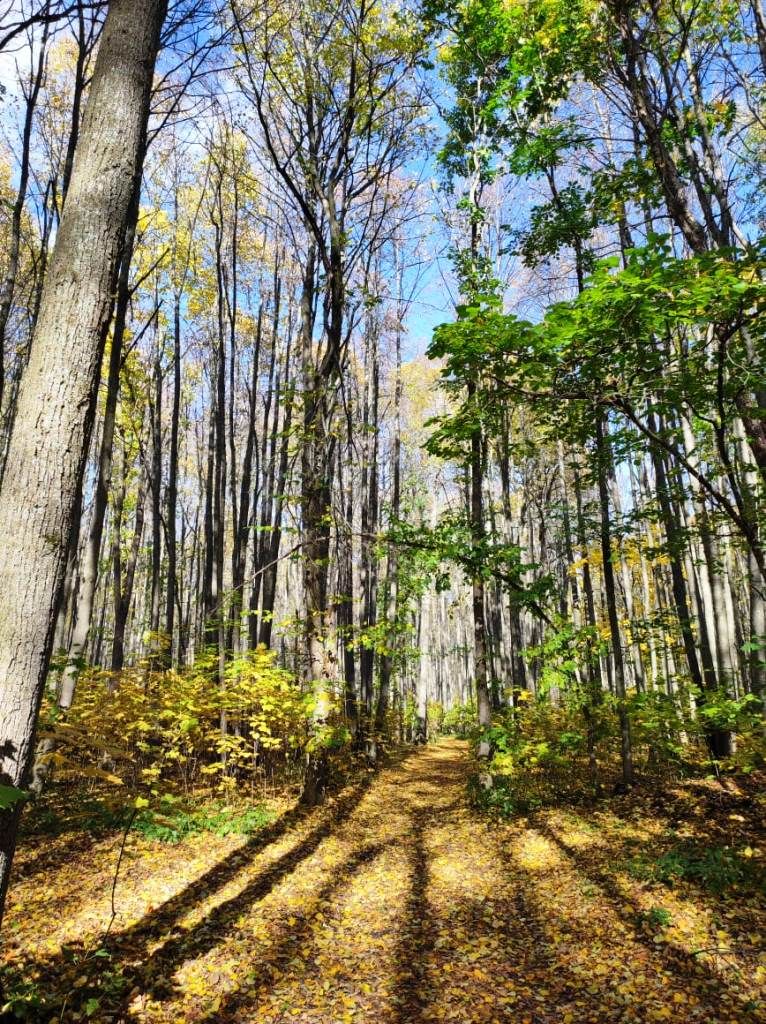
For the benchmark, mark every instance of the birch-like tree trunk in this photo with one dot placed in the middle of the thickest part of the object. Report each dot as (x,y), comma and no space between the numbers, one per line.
(626,747)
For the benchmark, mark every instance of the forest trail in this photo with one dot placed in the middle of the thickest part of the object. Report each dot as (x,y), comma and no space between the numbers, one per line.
(397,906)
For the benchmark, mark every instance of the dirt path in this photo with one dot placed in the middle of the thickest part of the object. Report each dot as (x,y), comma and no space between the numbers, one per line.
(397,907)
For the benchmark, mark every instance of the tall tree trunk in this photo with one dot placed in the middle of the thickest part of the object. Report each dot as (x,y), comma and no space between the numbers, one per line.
(270,567)
(84,48)
(242,521)
(86,591)
(208,528)
(719,741)
(369,524)
(392,569)
(354,709)
(757,622)
(218,625)
(604,456)
(57,399)
(317,454)
(123,580)
(636,662)
(171,495)
(483,703)
(264,492)
(157,643)
(595,685)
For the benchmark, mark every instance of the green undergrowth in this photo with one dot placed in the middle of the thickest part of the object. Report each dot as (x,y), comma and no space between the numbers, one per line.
(171,821)
(548,753)
(708,861)
(172,825)
(717,869)
(25,999)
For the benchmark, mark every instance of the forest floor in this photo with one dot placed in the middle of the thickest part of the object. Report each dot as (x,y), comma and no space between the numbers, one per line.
(397,903)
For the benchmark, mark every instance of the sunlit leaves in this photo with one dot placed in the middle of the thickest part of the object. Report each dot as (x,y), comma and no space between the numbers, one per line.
(168,725)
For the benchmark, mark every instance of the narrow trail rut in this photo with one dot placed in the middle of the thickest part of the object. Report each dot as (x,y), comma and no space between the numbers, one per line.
(397,906)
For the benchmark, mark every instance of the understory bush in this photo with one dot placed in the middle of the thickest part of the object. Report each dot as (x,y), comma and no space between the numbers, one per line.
(183,726)
(540,756)
(172,824)
(170,820)
(716,868)
(548,750)
(460,720)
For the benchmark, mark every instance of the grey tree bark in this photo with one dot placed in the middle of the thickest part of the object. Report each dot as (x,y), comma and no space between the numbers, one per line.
(48,448)
(626,745)
(86,592)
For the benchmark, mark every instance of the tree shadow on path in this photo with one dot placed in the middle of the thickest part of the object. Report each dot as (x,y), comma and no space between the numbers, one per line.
(407,909)
(130,947)
(686,969)
(417,934)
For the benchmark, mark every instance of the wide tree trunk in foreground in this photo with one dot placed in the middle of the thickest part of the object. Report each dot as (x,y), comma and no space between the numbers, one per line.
(56,403)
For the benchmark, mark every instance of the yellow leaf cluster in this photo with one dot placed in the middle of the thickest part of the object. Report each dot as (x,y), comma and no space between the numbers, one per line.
(184,724)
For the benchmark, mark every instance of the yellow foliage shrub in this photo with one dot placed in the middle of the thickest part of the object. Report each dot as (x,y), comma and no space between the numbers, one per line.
(182,723)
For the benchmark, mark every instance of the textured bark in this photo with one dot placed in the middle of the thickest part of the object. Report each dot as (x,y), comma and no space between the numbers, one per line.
(86,591)
(89,570)
(317,456)
(88,32)
(56,404)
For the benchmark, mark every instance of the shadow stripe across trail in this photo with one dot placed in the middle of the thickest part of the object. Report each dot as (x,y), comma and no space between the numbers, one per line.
(399,904)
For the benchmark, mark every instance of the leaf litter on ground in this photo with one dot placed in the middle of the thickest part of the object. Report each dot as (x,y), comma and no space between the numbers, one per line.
(399,903)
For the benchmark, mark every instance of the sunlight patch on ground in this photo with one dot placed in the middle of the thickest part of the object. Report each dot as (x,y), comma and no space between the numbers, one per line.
(402,907)
(535,853)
